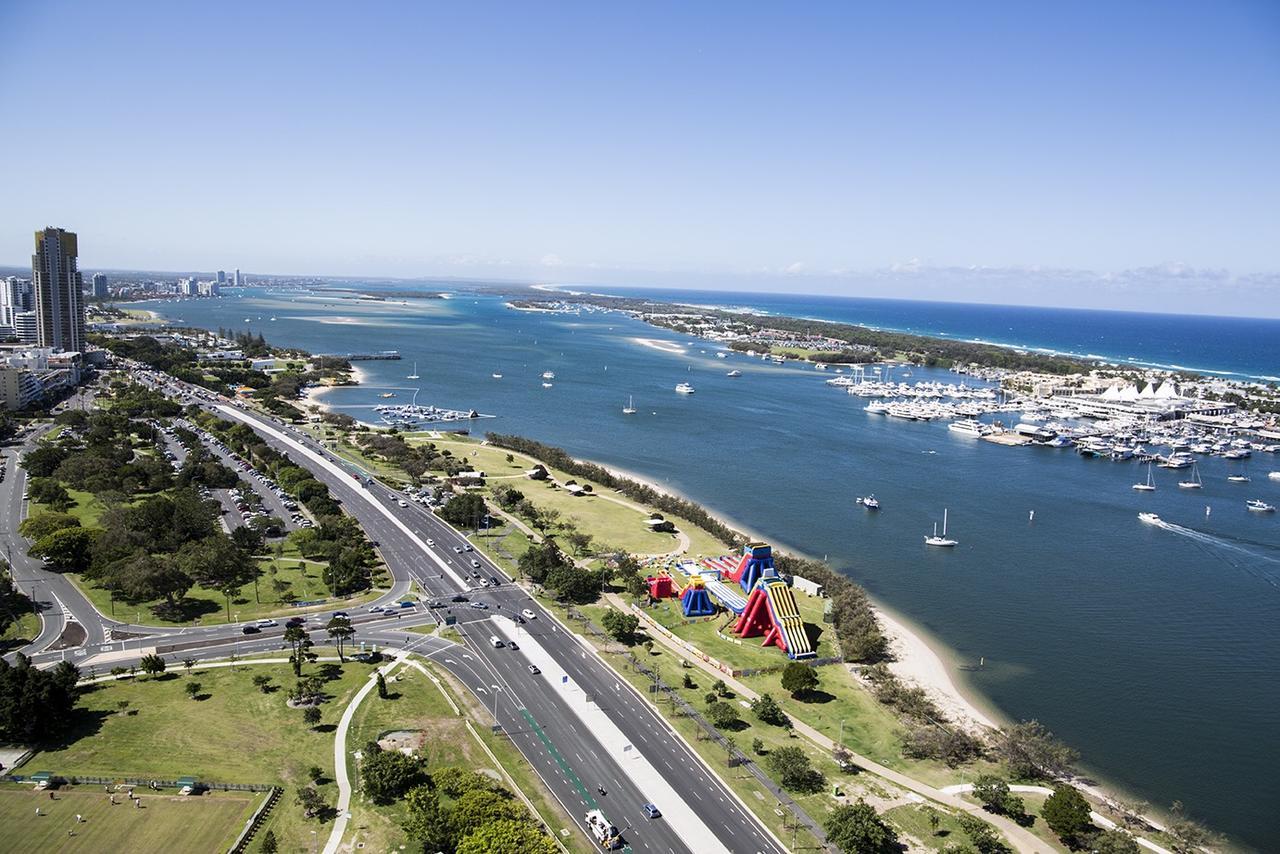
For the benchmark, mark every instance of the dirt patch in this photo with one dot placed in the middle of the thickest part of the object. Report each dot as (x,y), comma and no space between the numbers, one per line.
(73,635)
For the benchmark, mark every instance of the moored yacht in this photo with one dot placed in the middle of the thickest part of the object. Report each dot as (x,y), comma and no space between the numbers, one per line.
(869,501)
(968,427)
(1149,486)
(684,388)
(941,541)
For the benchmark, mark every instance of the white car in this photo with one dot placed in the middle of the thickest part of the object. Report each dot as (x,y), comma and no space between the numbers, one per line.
(528,615)
(430,541)
(402,503)
(266,624)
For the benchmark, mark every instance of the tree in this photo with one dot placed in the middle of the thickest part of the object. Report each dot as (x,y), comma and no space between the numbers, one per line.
(539,560)
(465,511)
(269,844)
(790,766)
(300,642)
(799,679)
(387,774)
(506,836)
(456,781)
(340,629)
(578,541)
(935,819)
(43,524)
(983,836)
(766,709)
(218,564)
(315,774)
(856,829)
(757,746)
(992,791)
(310,801)
(311,716)
(426,822)
(571,584)
(479,807)
(723,715)
(382,686)
(721,689)
(47,491)
(1113,842)
(1031,750)
(36,705)
(1189,836)
(152,664)
(192,689)
(187,664)
(262,682)
(620,626)
(67,550)
(1066,812)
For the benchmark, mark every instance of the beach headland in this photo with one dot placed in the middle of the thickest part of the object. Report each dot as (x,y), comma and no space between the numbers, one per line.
(315,395)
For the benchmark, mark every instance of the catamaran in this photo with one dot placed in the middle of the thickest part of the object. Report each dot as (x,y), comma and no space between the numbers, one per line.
(414,375)
(1148,486)
(869,501)
(630,408)
(942,541)
(1195,482)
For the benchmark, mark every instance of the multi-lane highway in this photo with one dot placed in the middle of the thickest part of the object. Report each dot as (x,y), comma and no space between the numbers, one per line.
(543,718)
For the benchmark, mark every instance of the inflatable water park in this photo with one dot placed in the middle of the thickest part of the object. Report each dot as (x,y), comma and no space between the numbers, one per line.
(749,587)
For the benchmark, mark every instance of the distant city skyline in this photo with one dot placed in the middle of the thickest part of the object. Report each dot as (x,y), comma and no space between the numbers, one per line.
(1099,156)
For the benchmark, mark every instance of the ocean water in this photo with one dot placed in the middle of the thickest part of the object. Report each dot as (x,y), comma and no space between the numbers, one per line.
(1155,652)
(1236,347)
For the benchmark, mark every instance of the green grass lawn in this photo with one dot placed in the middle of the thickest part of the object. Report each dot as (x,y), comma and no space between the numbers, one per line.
(167,822)
(303,577)
(234,734)
(20,632)
(913,821)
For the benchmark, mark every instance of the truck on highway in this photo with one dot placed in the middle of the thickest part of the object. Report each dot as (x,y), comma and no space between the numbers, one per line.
(604,833)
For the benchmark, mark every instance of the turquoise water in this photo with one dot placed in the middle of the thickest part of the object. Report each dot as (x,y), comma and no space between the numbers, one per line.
(1154,652)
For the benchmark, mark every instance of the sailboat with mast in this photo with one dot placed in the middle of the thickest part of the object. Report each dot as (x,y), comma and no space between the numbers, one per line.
(942,541)
(630,408)
(1195,482)
(1149,486)
(414,375)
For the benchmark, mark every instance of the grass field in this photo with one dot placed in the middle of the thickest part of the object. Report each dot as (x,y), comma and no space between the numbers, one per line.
(20,632)
(206,823)
(234,734)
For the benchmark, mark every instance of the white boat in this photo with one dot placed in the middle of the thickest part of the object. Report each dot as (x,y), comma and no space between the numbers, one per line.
(414,375)
(942,541)
(684,388)
(1275,475)
(630,408)
(722,355)
(548,375)
(1195,482)
(734,373)
(877,407)
(497,376)
(1149,518)
(869,501)
(968,427)
(387,394)
(1257,505)
(546,385)
(1238,478)
(1148,486)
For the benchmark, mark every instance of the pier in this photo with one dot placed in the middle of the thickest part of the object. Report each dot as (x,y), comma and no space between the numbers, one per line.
(383,356)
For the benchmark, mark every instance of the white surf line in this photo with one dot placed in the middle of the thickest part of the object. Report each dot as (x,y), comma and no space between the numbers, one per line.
(675,808)
(363,492)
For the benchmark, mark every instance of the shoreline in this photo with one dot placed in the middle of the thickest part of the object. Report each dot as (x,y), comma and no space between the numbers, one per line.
(314,395)
(919,658)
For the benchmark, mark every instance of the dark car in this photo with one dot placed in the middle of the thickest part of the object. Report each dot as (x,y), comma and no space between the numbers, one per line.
(294,621)
(251,630)
(459,598)
(512,645)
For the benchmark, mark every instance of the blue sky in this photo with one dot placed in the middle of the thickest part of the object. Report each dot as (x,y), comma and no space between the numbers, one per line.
(770,146)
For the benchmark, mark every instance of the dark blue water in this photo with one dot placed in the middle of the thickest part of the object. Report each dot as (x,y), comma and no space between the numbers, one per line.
(1231,346)
(1155,652)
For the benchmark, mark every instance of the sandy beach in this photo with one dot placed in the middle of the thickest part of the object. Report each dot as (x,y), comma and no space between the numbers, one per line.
(658,344)
(314,395)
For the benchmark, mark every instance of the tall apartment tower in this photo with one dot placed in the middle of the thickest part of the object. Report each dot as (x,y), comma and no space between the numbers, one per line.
(236,280)
(15,297)
(99,285)
(56,290)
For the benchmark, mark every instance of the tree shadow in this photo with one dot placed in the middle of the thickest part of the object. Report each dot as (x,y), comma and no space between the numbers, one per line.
(325,727)
(394,695)
(186,609)
(816,696)
(329,672)
(84,723)
(164,677)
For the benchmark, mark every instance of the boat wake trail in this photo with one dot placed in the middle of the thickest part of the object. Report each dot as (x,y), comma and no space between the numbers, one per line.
(1233,554)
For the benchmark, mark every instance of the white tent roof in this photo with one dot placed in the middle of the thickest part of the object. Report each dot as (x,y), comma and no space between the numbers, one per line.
(1167,390)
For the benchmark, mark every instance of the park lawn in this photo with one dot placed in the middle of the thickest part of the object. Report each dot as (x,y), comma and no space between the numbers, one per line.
(503,546)
(166,822)
(1034,803)
(237,734)
(85,507)
(619,526)
(209,606)
(912,821)
(20,632)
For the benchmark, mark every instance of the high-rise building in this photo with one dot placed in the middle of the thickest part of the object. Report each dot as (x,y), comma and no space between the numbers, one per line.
(15,296)
(188,287)
(26,326)
(56,291)
(99,285)
(236,280)
(222,278)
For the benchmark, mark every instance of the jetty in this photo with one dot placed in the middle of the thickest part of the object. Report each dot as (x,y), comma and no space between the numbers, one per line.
(382,356)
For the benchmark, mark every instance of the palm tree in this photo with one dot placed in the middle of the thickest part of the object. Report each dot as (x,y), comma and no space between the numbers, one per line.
(297,638)
(340,629)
